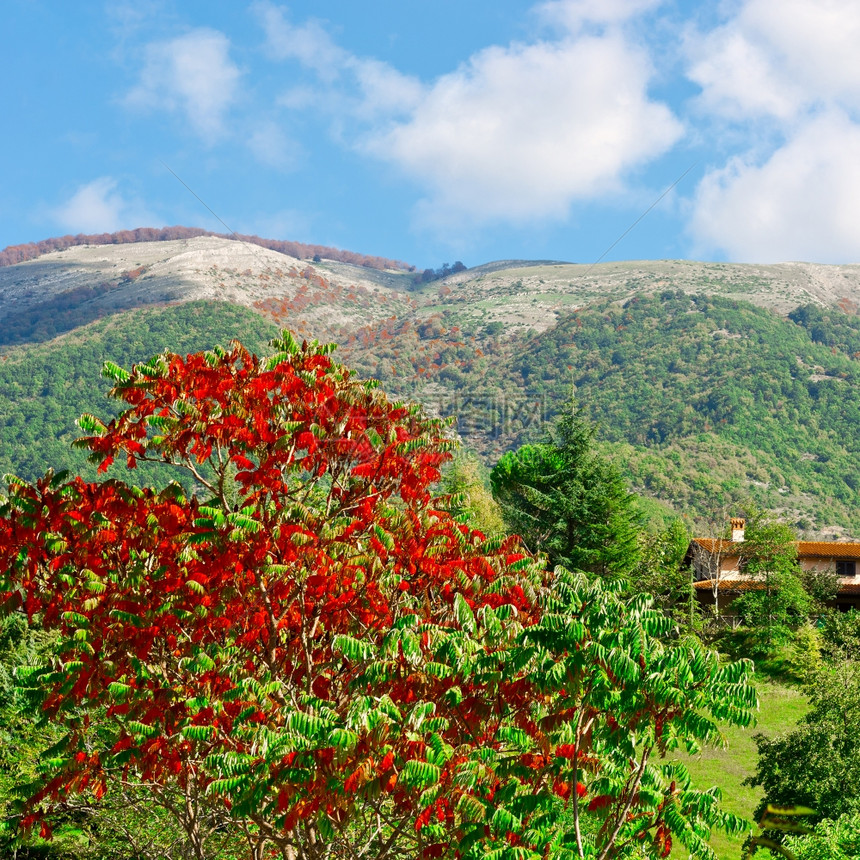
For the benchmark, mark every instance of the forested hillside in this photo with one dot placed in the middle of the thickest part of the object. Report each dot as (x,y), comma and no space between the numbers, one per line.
(704,398)
(707,400)
(45,388)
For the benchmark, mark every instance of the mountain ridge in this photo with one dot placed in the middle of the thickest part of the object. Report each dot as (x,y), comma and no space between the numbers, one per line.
(701,384)
(13,254)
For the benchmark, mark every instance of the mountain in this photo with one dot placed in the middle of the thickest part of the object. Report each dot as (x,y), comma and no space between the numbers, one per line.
(706,382)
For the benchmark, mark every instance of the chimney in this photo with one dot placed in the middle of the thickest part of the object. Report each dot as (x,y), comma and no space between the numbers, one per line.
(738,524)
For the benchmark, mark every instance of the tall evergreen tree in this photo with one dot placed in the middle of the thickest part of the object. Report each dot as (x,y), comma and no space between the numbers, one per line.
(568,500)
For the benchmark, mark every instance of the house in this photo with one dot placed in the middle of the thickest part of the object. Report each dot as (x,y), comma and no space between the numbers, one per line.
(718,570)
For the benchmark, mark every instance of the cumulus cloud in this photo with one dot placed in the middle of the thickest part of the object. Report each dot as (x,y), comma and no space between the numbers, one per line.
(782,76)
(98,207)
(523,131)
(192,74)
(365,88)
(384,91)
(802,203)
(517,132)
(778,58)
(308,43)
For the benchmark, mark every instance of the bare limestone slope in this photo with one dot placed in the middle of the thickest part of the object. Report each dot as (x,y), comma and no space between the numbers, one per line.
(327,299)
(530,295)
(61,290)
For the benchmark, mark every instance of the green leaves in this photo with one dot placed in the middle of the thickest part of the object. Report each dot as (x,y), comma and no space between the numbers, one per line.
(353,649)
(198,733)
(463,613)
(116,373)
(420,774)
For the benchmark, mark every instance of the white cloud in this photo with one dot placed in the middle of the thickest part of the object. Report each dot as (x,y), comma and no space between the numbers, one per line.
(739,80)
(781,79)
(384,90)
(307,43)
(192,74)
(98,207)
(574,14)
(803,203)
(517,132)
(522,132)
(364,88)
(778,58)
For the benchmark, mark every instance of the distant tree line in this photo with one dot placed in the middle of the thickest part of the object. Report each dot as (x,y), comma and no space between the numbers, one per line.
(437,274)
(29,251)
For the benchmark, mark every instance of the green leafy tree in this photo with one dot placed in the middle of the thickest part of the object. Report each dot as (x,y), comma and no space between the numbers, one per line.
(841,635)
(769,558)
(805,658)
(831,839)
(817,764)
(564,498)
(466,480)
(661,572)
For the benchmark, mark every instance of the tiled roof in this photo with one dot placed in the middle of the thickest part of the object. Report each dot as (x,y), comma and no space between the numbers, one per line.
(805,548)
(716,544)
(849,588)
(729,585)
(735,585)
(827,549)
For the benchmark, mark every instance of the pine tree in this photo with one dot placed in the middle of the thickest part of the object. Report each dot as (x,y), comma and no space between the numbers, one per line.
(568,500)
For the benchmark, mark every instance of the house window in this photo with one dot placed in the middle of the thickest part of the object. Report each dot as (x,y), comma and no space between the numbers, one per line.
(845,568)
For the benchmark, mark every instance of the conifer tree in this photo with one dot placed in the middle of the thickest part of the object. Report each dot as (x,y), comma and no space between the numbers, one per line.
(565,498)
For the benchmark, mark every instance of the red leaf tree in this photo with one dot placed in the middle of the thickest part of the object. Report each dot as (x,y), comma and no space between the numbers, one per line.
(279,648)
(307,650)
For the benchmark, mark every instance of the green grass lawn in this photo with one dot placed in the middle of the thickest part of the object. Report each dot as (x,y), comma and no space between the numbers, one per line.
(781,708)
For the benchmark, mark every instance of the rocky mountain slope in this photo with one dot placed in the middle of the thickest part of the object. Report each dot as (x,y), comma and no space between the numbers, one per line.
(86,282)
(706,402)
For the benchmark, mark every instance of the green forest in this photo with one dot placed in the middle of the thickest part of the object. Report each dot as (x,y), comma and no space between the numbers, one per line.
(180,678)
(700,401)
(700,398)
(44,389)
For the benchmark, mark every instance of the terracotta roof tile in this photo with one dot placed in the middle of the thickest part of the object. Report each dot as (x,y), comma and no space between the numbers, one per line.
(850,588)
(729,585)
(715,544)
(805,548)
(737,585)
(828,549)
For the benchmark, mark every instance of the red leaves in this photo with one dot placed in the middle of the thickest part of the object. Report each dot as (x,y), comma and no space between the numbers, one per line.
(663,839)
(354,780)
(186,621)
(602,801)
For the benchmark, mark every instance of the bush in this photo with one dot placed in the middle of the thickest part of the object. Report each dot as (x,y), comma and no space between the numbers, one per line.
(805,658)
(837,839)
(818,764)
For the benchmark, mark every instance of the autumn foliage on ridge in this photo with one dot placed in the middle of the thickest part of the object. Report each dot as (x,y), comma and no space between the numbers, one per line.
(21,253)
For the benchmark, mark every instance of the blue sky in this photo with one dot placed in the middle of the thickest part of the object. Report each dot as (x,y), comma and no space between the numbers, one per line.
(468,130)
